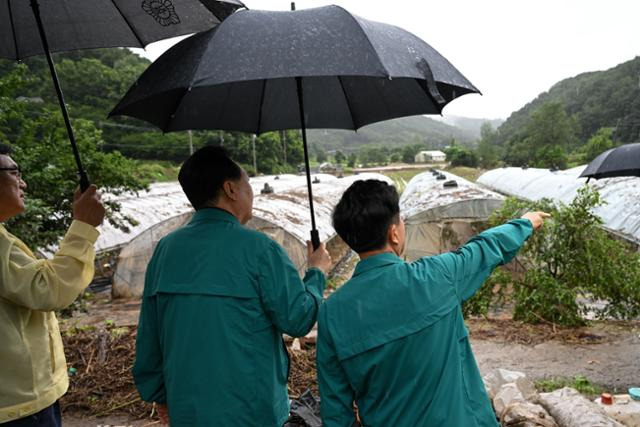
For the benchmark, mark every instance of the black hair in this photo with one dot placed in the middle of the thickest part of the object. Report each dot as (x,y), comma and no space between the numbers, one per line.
(203,174)
(365,212)
(5,149)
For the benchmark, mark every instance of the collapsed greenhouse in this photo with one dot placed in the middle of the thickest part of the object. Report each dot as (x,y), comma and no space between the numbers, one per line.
(620,213)
(442,211)
(280,209)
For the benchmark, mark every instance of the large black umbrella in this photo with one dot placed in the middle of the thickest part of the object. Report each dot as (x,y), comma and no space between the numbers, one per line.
(318,68)
(35,27)
(620,161)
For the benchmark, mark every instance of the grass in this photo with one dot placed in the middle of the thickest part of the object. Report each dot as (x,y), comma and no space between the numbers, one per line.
(157,171)
(470,174)
(402,177)
(579,382)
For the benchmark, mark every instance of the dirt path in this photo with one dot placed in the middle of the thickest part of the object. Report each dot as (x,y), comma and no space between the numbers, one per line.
(614,365)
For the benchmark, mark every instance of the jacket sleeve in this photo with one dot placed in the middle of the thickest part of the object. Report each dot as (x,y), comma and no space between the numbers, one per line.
(47,284)
(147,368)
(336,395)
(468,267)
(291,304)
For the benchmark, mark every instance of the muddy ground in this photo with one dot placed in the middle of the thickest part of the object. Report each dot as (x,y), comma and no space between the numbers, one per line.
(605,353)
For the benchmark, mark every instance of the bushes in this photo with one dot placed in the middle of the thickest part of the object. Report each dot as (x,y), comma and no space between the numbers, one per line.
(569,261)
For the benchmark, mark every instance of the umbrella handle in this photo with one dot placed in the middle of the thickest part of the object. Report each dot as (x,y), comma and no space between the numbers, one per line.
(84,181)
(315,239)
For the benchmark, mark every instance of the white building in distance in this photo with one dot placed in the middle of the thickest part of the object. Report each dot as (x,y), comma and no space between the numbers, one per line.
(430,157)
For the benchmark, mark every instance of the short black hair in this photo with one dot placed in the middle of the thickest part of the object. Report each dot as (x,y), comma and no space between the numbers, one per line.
(203,174)
(5,149)
(365,212)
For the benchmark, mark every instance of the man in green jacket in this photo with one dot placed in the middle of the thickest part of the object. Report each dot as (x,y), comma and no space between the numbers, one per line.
(392,339)
(218,296)
(33,370)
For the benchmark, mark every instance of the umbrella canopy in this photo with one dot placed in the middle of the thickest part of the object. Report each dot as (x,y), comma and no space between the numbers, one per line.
(45,26)
(619,161)
(317,68)
(242,75)
(82,24)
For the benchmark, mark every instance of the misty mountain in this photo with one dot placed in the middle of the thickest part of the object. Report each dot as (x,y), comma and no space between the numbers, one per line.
(396,132)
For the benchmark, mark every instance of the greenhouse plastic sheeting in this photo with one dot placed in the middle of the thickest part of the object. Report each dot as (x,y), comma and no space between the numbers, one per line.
(283,215)
(438,218)
(621,213)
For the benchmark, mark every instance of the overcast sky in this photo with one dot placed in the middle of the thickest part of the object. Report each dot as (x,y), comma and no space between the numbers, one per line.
(511,50)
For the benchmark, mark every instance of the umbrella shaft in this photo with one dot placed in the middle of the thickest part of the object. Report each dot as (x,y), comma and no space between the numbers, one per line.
(315,240)
(84,180)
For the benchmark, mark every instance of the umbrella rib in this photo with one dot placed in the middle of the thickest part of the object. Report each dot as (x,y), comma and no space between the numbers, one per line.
(346,98)
(167,127)
(387,74)
(13,29)
(128,24)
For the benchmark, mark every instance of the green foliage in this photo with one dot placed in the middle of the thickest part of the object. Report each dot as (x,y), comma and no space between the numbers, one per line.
(492,293)
(609,98)
(572,257)
(488,150)
(545,140)
(373,155)
(339,157)
(598,144)
(321,155)
(42,149)
(579,382)
(149,172)
(351,160)
(458,155)
(409,152)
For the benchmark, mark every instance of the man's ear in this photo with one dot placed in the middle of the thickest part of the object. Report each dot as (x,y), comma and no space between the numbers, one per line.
(393,235)
(230,190)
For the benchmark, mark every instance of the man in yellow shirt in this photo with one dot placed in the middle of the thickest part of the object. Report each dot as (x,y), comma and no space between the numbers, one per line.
(33,370)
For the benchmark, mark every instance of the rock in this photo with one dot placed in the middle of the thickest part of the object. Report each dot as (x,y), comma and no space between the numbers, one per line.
(623,409)
(570,409)
(496,378)
(526,414)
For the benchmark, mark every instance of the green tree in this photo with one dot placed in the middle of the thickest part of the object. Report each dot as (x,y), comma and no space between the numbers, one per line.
(339,157)
(351,160)
(547,137)
(570,260)
(598,144)
(42,150)
(321,155)
(488,150)
(409,152)
(458,155)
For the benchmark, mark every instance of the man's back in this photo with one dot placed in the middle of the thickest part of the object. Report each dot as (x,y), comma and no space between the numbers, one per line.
(217,298)
(393,338)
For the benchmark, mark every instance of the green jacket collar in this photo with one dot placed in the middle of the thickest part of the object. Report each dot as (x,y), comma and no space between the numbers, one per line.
(376,261)
(216,214)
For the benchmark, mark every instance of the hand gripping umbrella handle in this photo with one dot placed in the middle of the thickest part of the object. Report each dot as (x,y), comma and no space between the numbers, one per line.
(315,239)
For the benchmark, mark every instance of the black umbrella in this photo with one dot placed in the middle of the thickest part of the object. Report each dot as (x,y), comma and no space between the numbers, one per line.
(619,161)
(318,68)
(84,24)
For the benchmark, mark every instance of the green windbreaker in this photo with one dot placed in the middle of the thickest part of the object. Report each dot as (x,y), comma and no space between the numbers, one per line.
(217,298)
(393,339)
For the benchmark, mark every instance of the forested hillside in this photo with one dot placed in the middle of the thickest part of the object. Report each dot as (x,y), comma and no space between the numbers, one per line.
(577,119)
(609,98)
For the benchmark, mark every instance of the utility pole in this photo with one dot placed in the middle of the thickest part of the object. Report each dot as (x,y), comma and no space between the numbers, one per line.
(190,142)
(253,146)
(283,139)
